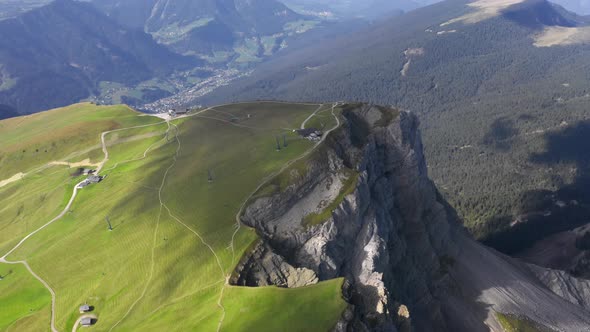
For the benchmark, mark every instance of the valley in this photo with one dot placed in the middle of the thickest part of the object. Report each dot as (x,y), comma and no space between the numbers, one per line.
(138,52)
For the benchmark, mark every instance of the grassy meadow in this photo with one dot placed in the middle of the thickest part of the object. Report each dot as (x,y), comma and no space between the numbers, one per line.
(34,140)
(25,303)
(172,193)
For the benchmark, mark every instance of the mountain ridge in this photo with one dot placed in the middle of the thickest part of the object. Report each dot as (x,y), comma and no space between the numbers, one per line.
(206,26)
(399,245)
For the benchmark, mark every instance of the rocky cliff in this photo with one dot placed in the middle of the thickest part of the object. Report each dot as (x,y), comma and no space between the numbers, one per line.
(362,207)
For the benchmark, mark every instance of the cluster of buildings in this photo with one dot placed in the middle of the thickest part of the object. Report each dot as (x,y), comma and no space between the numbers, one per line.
(178,112)
(189,92)
(311,134)
(86,321)
(174,112)
(91,179)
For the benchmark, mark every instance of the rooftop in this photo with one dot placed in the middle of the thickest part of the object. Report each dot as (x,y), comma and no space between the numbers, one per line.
(308,131)
(94,178)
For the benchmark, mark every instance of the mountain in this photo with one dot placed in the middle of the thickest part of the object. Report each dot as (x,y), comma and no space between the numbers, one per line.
(498,85)
(204,223)
(58,54)
(7,112)
(220,31)
(12,8)
(581,7)
(338,9)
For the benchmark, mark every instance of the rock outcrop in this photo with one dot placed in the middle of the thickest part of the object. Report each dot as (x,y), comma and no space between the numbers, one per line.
(402,250)
(574,290)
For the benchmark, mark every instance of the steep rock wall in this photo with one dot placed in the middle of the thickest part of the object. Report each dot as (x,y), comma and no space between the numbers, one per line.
(407,261)
(384,238)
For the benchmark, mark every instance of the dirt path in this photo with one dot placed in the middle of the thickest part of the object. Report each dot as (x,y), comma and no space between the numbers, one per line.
(311,116)
(99,168)
(178,299)
(85,162)
(220,304)
(145,153)
(61,215)
(45,284)
(104,143)
(12,179)
(63,212)
(164,206)
(153,250)
(229,122)
(219,301)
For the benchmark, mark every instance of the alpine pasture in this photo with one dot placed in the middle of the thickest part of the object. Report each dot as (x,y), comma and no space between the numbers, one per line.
(172,192)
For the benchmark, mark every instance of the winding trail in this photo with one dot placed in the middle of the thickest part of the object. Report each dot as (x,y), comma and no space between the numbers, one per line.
(226,277)
(229,122)
(178,299)
(145,153)
(63,212)
(23,262)
(154,240)
(101,165)
(87,162)
(104,143)
(311,116)
(77,187)
(164,206)
(44,283)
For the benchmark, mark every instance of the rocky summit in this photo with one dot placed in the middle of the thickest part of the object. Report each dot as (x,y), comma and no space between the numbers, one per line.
(407,261)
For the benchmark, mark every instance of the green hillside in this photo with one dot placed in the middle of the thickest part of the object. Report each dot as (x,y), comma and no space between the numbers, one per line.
(171,192)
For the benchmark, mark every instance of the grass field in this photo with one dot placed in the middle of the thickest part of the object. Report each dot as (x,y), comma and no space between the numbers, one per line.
(34,140)
(25,303)
(31,200)
(512,323)
(348,188)
(175,238)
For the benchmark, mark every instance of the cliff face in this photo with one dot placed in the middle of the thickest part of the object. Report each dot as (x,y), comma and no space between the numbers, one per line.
(362,207)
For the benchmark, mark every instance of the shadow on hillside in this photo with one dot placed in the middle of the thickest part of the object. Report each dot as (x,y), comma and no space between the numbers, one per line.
(544,212)
(537,15)
(500,134)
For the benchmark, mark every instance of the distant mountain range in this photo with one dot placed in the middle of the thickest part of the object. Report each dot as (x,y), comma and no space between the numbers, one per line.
(355,8)
(581,7)
(496,84)
(57,54)
(12,8)
(54,53)
(215,29)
